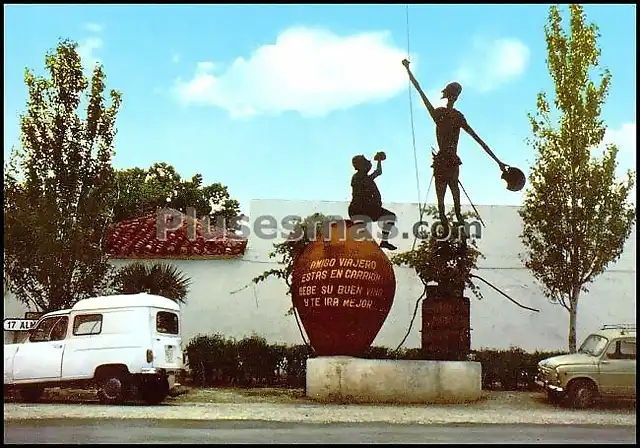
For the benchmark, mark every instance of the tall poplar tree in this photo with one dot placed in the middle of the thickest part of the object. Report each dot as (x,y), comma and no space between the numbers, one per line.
(576,214)
(59,185)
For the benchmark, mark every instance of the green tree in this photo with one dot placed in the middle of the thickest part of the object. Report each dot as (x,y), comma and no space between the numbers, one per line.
(303,233)
(141,191)
(446,262)
(576,214)
(6,282)
(58,185)
(158,278)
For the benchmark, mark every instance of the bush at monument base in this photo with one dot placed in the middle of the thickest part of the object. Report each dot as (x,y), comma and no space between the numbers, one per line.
(342,288)
(215,360)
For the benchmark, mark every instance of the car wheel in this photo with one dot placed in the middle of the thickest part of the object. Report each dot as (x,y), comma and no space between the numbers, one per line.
(154,390)
(113,389)
(582,394)
(31,394)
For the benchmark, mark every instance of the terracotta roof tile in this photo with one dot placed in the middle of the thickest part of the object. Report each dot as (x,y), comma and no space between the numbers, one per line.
(138,238)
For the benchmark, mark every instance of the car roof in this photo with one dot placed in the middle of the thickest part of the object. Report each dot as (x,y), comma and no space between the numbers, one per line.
(613,333)
(126,301)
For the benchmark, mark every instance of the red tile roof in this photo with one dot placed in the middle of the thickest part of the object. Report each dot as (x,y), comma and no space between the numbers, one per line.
(137,238)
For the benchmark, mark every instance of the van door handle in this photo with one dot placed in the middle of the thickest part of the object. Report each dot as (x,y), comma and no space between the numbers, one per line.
(604,361)
(57,346)
(158,339)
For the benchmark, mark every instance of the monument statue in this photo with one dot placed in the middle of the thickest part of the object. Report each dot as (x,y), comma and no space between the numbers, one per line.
(366,202)
(446,163)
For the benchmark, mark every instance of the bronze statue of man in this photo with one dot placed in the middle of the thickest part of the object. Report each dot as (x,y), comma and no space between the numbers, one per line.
(366,201)
(446,163)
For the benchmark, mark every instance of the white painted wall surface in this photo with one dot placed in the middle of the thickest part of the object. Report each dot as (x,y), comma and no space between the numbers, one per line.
(219,304)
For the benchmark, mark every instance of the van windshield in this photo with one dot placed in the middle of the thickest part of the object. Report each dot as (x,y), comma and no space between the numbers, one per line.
(167,322)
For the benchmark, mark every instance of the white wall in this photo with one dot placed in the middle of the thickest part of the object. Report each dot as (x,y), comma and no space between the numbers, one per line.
(218,302)
(495,321)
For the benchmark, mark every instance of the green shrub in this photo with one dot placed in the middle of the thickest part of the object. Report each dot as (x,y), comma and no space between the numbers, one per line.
(259,362)
(213,360)
(512,369)
(218,361)
(379,353)
(411,354)
(296,365)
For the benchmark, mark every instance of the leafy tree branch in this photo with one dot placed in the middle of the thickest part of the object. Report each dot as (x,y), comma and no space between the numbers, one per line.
(576,214)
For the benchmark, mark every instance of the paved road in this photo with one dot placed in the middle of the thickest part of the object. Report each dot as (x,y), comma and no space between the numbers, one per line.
(77,431)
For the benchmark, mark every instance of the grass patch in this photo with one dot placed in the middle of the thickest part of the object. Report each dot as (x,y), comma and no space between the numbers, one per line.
(242,395)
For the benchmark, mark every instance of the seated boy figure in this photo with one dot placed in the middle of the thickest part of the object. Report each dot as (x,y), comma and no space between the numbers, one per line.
(366,201)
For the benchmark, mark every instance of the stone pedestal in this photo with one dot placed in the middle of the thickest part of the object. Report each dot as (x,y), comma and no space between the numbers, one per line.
(344,379)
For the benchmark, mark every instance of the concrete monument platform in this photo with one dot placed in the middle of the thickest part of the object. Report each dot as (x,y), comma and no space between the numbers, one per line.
(345,379)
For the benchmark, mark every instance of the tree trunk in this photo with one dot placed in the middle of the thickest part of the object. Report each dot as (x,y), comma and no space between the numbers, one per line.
(573,314)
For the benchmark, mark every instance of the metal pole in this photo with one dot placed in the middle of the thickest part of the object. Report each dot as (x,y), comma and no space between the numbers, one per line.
(474,207)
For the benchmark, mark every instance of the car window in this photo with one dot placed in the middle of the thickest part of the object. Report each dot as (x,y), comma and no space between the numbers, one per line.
(167,322)
(42,331)
(86,324)
(622,349)
(628,349)
(59,330)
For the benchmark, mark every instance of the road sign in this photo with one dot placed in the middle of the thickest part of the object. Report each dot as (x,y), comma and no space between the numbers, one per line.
(18,324)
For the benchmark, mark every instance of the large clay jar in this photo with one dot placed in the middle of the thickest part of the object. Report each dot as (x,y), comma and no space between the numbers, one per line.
(342,288)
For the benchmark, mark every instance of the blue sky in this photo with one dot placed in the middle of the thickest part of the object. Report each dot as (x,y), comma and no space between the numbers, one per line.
(274,100)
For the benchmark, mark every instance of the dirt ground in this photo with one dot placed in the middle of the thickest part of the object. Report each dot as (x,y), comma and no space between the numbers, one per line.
(186,395)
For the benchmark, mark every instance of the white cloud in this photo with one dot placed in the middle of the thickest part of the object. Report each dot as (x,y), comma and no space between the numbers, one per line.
(308,70)
(624,137)
(93,27)
(86,50)
(175,58)
(493,63)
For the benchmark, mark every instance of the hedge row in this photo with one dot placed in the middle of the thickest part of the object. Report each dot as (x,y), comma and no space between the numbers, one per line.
(215,360)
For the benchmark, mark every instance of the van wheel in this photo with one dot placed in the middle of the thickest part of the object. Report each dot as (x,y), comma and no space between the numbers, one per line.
(154,390)
(31,394)
(582,394)
(112,388)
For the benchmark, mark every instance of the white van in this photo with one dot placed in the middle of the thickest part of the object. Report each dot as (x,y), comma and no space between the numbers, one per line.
(118,343)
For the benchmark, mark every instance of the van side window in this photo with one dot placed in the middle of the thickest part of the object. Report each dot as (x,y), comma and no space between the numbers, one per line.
(43,330)
(167,322)
(87,324)
(59,330)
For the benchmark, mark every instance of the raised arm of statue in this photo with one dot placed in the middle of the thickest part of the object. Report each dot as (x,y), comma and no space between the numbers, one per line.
(414,81)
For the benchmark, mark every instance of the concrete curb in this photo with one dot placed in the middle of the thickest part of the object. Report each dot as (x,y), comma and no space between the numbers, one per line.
(312,413)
